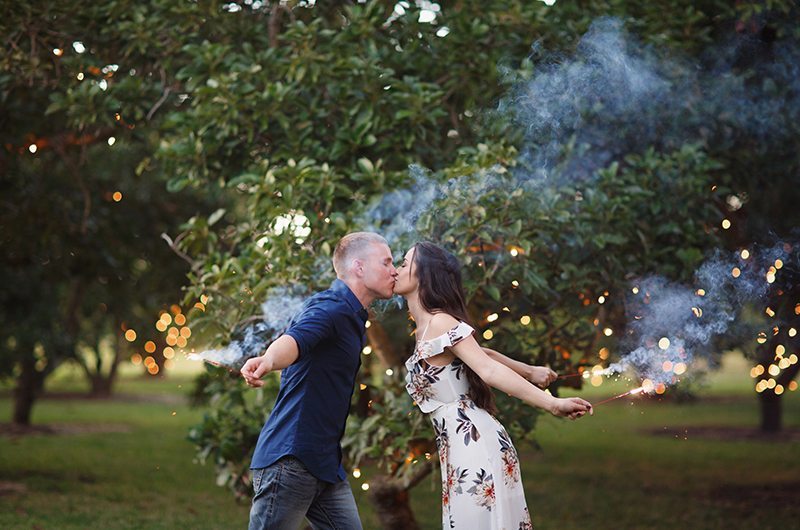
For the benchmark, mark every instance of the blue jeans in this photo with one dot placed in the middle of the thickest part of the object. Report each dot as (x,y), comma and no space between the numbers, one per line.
(285,492)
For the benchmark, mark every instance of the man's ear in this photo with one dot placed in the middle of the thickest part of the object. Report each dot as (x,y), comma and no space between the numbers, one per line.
(358,267)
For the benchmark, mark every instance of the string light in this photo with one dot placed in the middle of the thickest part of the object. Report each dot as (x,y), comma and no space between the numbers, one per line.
(726,224)
(492,317)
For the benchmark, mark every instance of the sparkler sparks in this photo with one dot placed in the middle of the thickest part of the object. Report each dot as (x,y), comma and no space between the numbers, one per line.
(633,392)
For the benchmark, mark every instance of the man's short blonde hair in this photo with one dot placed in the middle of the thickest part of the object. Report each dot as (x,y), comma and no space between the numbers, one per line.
(353,246)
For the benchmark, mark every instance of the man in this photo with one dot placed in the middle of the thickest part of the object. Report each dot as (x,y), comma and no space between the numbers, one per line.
(297,463)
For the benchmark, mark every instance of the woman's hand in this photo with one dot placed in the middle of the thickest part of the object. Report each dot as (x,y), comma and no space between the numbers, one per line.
(572,408)
(541,376)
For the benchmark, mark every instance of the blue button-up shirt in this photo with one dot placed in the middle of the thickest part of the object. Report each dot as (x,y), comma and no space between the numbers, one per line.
(314,398)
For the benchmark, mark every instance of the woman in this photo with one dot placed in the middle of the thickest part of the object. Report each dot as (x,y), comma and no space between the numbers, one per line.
(449,376)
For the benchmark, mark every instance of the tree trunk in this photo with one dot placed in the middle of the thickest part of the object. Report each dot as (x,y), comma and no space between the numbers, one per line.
(391,502)
(101,386)
(771,417)
(29,386)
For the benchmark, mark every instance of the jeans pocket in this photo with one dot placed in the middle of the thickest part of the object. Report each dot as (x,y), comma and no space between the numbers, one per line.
(257,476)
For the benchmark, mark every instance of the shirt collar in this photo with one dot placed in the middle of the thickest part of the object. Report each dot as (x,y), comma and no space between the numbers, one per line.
(341,289)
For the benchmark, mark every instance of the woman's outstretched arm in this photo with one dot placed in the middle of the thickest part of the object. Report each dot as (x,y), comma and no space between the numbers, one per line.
(540,376)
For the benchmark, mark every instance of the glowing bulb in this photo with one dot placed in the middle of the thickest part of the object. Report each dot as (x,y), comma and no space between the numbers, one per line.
(608,332)
(130,335)
(32,148)
(78,46)
(80,76)
(357,473)
(365,486)
(679,368)
(515,283)
(778,263)
(745,254)
(779,389)
(700,292)
(793,386)
(149,346)
(792,332)
(111,140)
(180,320)
(58,52)
(726,224)
(525,320)
(492,317)
(117,196)
(666,366)
(367,350)
(773,370)
(697,312)
(736,272)
(663,343)
(488,334)
(513,252)
(367,324)
(780,349)
(769,312)
(601,300)
(362,386)
(635,290)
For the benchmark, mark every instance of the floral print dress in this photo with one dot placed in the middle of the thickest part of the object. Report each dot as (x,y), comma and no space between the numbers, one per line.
(481,483)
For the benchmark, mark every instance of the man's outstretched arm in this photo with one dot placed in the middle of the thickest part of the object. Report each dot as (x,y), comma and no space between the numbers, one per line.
(280,354)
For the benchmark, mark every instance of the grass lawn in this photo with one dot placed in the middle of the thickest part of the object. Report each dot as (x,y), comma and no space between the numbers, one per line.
(636,464)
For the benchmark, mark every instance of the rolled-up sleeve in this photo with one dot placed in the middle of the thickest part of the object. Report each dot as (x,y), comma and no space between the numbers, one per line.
(311,327)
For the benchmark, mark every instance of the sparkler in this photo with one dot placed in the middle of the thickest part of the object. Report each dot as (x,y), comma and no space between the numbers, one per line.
(196,357)
(628,393)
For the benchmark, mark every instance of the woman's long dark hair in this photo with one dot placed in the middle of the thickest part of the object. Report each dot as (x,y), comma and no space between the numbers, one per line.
(441,291)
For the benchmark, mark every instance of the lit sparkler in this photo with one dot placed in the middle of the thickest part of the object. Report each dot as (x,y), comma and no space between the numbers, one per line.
(628,393)
(198,357)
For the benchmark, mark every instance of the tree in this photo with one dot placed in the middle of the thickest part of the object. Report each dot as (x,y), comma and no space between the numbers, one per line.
(84,265)
(345,102)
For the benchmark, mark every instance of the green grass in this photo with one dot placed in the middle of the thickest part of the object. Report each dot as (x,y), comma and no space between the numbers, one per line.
(608,471)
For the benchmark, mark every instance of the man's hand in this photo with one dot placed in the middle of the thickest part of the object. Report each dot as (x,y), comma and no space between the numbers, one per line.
(256,368)
(541,376)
